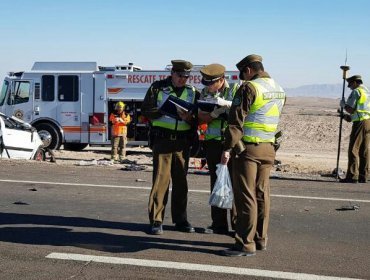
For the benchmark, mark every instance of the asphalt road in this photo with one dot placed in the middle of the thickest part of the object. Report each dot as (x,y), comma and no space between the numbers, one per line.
(78,222)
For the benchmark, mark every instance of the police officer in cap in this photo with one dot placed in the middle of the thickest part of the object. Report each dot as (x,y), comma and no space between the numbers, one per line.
(357,105)
(253,118)
(219,92)
(171,138)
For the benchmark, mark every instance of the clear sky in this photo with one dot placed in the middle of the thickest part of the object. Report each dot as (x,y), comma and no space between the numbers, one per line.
(302,41)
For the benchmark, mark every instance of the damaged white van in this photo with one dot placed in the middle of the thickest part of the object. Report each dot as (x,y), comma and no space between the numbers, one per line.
(19,140)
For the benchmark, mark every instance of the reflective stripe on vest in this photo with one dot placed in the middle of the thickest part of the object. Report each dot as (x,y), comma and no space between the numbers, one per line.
(262,120)
(215,127)
(188,95)
(362,111)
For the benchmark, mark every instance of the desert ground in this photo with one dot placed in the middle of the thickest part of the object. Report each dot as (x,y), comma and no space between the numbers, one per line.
(311,136)
(309,147)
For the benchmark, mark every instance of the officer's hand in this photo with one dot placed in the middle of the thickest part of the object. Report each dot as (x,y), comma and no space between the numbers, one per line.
(347,117)
(223,102)
(184,115)
(217,112)
(342,103)
(225,157)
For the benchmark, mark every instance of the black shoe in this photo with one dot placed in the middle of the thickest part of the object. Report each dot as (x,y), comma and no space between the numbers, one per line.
(261,247)
(157,228)
(348,180)
(184,227)
(362,181)
(216,230)
(234,252)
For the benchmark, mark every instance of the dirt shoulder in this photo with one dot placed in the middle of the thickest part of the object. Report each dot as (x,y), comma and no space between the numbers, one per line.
(310,142)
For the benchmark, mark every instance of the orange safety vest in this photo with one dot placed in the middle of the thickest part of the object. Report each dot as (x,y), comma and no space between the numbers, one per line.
(119,128)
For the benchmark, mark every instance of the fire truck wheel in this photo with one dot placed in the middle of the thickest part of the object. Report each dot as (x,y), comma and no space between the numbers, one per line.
(49,136)
(39,155)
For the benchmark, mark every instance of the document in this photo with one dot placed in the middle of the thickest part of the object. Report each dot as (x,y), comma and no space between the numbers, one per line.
(172,104)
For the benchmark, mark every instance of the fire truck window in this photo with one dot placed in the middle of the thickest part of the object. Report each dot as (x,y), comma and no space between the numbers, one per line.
(48,88)
(4,91)
(21,93)
(68,88)
(37,91)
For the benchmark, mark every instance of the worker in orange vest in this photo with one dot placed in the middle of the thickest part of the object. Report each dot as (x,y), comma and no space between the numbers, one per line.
(119,120)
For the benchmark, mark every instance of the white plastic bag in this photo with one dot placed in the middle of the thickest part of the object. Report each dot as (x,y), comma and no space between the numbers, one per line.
(222,195)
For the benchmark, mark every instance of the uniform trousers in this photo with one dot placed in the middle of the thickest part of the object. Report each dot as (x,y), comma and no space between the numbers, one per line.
(214,150)
(118,147)
(170,163)
(251,185)
(358,151)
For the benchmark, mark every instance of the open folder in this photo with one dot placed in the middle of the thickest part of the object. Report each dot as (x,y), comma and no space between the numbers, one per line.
(172,104)
(206,106)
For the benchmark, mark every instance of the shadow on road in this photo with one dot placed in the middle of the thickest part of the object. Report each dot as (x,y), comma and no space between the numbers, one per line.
(63,234)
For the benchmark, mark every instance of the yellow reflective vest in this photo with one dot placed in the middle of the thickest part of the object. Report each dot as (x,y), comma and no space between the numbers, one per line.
(362,111)
(261,123)
(215,127)
(167,122)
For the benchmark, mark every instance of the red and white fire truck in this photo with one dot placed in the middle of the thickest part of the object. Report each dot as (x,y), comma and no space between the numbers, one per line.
(69,102)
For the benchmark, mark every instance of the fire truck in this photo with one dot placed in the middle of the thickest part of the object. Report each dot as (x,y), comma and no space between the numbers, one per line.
(69,102)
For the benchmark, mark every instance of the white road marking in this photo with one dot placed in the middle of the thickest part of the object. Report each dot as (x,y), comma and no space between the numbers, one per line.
(321,198)
(194,191)
(192,267)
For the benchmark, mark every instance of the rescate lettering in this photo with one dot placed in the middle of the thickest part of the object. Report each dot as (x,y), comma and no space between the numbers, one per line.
(144,79)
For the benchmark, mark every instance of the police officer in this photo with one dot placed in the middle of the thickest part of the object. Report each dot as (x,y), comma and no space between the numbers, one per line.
(219,92)
(253,118)
(171,138)
(357,105)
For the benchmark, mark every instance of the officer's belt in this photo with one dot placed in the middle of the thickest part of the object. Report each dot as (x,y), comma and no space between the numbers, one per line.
(259,143)
(170,135)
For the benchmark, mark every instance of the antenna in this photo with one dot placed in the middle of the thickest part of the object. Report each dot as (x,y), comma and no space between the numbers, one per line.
(344,68)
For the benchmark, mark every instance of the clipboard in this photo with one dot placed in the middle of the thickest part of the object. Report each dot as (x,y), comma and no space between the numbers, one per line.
(172,104)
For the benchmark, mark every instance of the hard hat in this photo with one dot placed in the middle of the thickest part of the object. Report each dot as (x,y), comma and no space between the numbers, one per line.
(120,104)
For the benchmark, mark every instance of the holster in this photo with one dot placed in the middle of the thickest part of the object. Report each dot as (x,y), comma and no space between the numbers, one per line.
(239,148)
(151,137)
(278,139)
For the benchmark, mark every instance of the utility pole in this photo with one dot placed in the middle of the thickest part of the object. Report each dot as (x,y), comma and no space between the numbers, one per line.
(344,68)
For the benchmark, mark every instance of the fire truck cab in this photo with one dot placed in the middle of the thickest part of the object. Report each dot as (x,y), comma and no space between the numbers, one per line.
(69,102)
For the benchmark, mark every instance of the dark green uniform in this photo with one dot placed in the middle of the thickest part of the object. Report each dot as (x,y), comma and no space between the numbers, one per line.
(170,157)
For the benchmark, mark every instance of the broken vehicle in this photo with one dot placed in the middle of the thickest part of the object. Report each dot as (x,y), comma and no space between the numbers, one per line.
(19,140)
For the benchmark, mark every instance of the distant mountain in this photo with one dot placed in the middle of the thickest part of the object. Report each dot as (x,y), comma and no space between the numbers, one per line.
(319,90)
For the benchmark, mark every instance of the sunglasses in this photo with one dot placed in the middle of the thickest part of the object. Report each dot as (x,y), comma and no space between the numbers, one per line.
(182,75)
